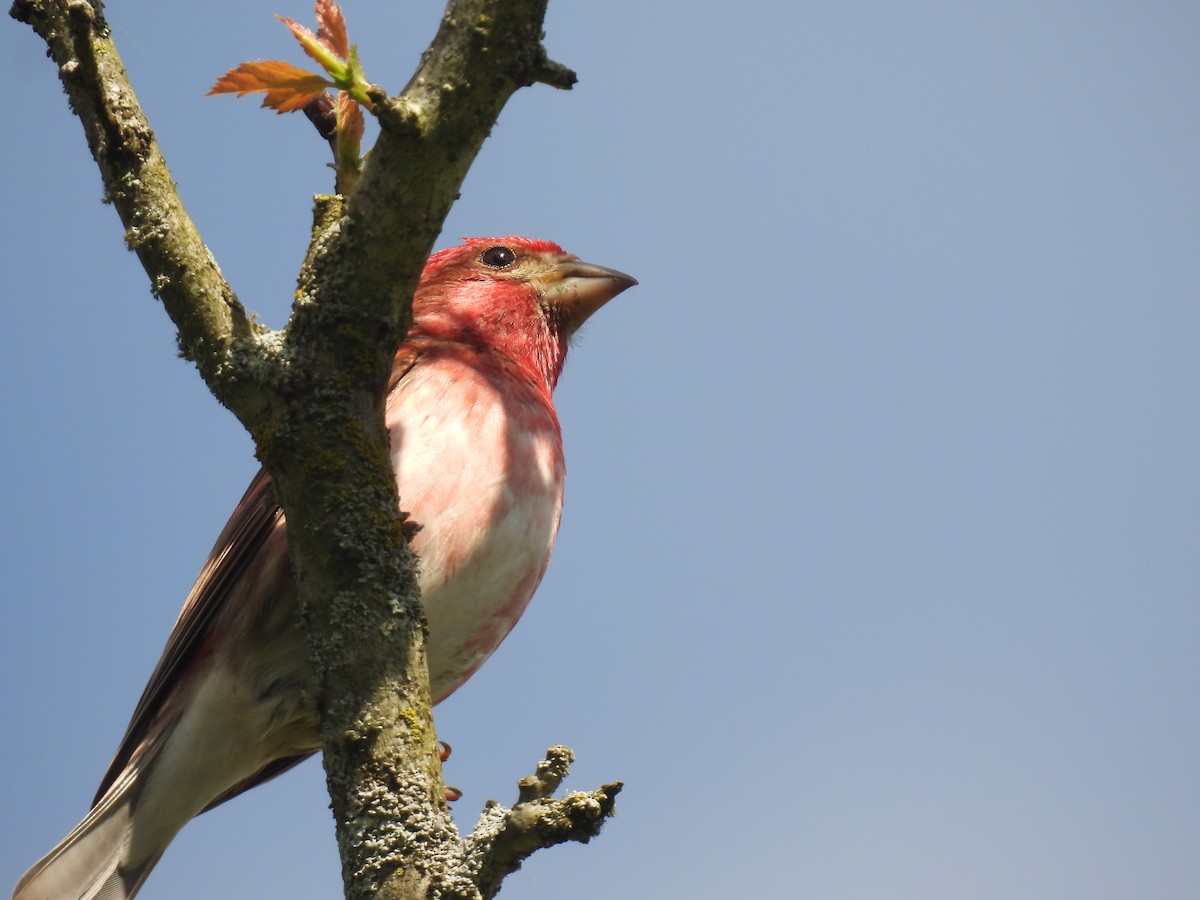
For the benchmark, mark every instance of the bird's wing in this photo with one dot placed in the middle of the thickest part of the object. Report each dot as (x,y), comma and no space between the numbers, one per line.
(243,537)
(248,528)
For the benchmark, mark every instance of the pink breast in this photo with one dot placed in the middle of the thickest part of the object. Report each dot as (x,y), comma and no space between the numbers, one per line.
(479,467)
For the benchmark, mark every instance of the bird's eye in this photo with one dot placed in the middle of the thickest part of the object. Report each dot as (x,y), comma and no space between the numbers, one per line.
(498,257)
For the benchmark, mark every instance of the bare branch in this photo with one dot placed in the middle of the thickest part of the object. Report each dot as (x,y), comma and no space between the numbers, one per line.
(547,777)
(212,324)
(504,838)
(352,310)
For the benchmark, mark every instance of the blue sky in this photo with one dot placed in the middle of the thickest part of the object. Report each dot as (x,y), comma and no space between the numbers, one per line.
(878,571)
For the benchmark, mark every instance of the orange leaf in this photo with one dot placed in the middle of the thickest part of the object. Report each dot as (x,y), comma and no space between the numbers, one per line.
(287,87)
(331,28)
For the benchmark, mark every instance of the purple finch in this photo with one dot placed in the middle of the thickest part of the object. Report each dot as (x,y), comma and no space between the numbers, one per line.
(478,457)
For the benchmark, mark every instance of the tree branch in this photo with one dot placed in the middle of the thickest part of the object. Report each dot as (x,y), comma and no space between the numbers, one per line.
(213,327)
(312,398)
(505,838)
(379,743)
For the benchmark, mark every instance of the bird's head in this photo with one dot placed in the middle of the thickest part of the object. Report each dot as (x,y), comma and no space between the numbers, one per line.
(519,297)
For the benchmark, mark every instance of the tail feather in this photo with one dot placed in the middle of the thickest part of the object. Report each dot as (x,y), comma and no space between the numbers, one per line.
(89,863)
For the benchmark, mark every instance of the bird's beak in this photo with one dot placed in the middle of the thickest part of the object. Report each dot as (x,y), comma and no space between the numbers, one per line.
(577,289)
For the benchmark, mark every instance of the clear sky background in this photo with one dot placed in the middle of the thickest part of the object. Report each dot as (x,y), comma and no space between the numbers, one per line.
(879,569)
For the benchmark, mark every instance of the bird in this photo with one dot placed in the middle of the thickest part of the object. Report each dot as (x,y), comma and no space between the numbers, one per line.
(477,452)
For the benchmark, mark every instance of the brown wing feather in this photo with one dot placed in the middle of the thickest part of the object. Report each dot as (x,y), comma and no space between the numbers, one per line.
(239,542)
(251,523)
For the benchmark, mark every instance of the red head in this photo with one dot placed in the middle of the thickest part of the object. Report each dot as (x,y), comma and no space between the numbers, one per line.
(519,297)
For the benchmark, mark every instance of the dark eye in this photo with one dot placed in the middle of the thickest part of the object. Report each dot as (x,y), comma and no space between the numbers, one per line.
(498,257)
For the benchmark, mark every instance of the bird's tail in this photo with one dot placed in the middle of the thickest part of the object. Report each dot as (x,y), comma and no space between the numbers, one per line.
(90,863)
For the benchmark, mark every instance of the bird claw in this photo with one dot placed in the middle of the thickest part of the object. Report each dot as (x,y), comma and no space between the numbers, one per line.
(452,793)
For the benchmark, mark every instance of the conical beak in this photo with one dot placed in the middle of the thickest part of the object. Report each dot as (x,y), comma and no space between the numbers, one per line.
(577,289)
